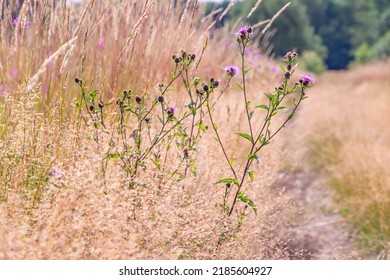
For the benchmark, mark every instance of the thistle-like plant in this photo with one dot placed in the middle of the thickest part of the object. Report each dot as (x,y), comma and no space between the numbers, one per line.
(285,95)
(148,127)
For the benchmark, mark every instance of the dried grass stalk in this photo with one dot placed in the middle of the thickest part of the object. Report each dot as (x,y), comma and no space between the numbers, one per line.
(32,82)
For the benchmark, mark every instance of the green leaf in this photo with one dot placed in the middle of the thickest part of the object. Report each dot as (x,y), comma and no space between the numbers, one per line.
(251,115)
(261,138)
(93,94)
(240,86)
(253,156)
(180,134)
(250,172)
(248,201)
(248,103)
(193,110)
(185,83)
(228,180)
(247,70)
(215,127)
(143,166)
(244,135)
(295,102)
(202,127)
(157,164)
(115,155)
(263,107)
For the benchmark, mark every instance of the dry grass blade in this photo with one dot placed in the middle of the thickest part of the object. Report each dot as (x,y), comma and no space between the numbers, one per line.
(32,82)
(261,23)
(87,7)
(254,8)
(231,4)
(135,29)
(275,17)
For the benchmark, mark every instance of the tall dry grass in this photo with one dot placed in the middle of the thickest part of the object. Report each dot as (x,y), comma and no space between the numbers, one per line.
(346,126)
(57,199)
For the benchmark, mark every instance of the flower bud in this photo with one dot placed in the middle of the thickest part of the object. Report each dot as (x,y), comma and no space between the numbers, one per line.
(138,99)
(161,99)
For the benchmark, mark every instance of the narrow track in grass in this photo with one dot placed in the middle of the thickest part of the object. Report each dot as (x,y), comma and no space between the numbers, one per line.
(317,228)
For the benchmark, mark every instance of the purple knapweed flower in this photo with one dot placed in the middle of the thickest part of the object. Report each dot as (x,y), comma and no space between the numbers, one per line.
(244,32)
(290,55)
(171,110)
(28,24)
(232,70)
(101,43)
(287,55)
(14,72)
(15,21)
(273,68)
(306,79)
(56,172)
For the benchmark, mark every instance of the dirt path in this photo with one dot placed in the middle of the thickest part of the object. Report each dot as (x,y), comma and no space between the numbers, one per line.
(316,227)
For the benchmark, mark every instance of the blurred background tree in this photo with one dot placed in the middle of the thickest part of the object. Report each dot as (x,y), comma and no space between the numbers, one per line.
(333,34)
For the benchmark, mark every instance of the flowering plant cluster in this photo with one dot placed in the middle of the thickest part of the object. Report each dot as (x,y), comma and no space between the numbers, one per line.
(261,135)
(148,127)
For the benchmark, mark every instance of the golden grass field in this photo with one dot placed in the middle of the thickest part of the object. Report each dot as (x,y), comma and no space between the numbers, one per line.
(88,210)
(346,123)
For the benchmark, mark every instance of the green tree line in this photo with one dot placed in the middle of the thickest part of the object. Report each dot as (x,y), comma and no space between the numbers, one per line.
(328,33)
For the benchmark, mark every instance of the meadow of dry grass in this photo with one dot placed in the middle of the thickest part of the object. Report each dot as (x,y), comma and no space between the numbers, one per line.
(60,198)
(345,129)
